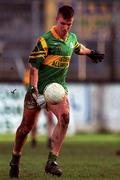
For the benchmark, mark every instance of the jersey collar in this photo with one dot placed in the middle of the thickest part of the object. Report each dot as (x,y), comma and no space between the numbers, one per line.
(56,35)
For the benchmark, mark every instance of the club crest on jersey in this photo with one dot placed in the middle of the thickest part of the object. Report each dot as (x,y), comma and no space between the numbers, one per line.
(71,45)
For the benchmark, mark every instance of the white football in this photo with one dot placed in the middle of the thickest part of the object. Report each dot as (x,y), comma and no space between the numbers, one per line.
(54,93)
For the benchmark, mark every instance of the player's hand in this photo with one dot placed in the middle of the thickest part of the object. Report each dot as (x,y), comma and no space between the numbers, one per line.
(34,90)
(95,56)
(40,100)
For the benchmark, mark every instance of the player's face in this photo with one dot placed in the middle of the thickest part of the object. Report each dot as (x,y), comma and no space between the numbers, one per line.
(63,26)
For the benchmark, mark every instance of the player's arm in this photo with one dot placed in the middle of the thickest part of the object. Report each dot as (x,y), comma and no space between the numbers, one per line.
(84,50)
(33,87)
(36,58)
(94,55)
(33,76)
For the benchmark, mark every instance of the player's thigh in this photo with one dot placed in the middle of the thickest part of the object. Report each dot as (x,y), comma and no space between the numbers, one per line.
(61,108)
(31,110)
(48,114)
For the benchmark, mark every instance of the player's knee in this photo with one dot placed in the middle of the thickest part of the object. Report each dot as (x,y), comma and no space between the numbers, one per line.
(65,120)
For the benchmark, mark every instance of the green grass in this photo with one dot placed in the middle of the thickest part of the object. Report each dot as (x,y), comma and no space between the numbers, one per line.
(76,138)
(83,157)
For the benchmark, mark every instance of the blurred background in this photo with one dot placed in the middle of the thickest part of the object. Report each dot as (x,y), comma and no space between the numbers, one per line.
(94,89)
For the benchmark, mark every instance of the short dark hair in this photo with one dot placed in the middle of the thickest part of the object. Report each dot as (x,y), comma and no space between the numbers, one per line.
(66,11)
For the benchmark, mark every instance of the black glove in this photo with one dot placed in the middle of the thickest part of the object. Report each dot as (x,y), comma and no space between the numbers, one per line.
(96,56)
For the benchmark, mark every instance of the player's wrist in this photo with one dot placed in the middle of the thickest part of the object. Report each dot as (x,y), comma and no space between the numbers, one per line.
(91,52)
(32,89)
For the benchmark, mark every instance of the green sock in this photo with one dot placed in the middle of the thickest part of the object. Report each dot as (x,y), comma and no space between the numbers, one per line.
(52,157)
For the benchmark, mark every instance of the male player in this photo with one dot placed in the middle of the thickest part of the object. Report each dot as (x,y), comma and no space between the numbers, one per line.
(49,62)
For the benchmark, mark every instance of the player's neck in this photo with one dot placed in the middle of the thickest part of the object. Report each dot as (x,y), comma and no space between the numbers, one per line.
(60,34)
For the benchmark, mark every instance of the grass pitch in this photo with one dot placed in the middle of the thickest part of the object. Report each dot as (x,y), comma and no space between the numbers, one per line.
(83,157)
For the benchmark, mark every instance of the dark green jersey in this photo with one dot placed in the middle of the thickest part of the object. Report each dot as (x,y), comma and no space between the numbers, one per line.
(51,56)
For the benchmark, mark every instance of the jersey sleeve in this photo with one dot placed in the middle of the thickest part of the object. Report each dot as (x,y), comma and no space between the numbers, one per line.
(77,45)
(39,53)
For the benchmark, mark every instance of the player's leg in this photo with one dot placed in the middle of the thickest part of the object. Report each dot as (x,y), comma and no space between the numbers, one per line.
(29,115)
(50,126)
(34,136)
(34,133)
(62,113)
